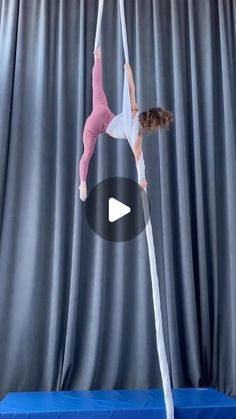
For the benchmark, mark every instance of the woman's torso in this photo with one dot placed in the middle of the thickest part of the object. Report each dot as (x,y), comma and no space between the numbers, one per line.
(116,127)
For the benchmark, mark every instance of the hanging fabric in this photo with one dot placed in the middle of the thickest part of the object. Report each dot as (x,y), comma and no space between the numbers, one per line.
(98,28)
(128,123)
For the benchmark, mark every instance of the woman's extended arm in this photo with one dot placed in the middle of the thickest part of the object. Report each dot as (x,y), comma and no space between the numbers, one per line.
(137,150)
(129,73)
(138,147)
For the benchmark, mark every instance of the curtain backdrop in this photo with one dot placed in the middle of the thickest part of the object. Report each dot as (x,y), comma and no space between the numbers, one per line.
(76,311)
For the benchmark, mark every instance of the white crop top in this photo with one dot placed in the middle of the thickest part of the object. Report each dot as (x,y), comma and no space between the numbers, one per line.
(116,129)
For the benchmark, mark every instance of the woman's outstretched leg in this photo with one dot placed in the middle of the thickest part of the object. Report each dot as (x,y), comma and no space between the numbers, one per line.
(99,96)
(89,138)
(95,123)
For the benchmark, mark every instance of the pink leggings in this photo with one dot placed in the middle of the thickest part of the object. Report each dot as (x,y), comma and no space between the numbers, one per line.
(97,121)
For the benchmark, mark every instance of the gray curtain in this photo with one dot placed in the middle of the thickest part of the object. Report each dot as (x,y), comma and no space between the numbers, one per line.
(76,311)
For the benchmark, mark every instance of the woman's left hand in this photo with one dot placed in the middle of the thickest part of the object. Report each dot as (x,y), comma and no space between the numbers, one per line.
(143,183)
(127,67)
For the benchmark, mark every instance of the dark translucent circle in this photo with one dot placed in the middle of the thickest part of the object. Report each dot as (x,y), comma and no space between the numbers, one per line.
(129,193)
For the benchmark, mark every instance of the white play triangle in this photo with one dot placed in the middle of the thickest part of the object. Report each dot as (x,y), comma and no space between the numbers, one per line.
(116,209)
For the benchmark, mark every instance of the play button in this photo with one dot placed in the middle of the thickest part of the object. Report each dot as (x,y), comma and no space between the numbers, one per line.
(117,209)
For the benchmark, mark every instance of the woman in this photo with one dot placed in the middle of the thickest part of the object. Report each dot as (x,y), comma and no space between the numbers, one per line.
(103,120)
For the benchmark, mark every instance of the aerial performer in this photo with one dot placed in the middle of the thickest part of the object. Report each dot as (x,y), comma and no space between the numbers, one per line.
(103,120)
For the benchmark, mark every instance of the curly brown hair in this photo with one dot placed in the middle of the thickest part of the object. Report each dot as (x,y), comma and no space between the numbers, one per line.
(155,118)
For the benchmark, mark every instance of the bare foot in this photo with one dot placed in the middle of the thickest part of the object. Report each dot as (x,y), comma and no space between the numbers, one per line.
(97,53)
(83,191)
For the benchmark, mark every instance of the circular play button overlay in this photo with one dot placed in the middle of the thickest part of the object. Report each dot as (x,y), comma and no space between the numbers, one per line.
(117,209)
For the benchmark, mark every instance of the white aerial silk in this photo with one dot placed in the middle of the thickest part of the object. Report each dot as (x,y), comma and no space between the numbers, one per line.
(130,128)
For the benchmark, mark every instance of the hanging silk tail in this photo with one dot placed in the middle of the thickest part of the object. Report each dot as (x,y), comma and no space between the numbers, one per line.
(152,260)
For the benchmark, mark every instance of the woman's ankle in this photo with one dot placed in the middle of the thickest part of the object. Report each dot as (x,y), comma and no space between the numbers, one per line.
(97,53)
